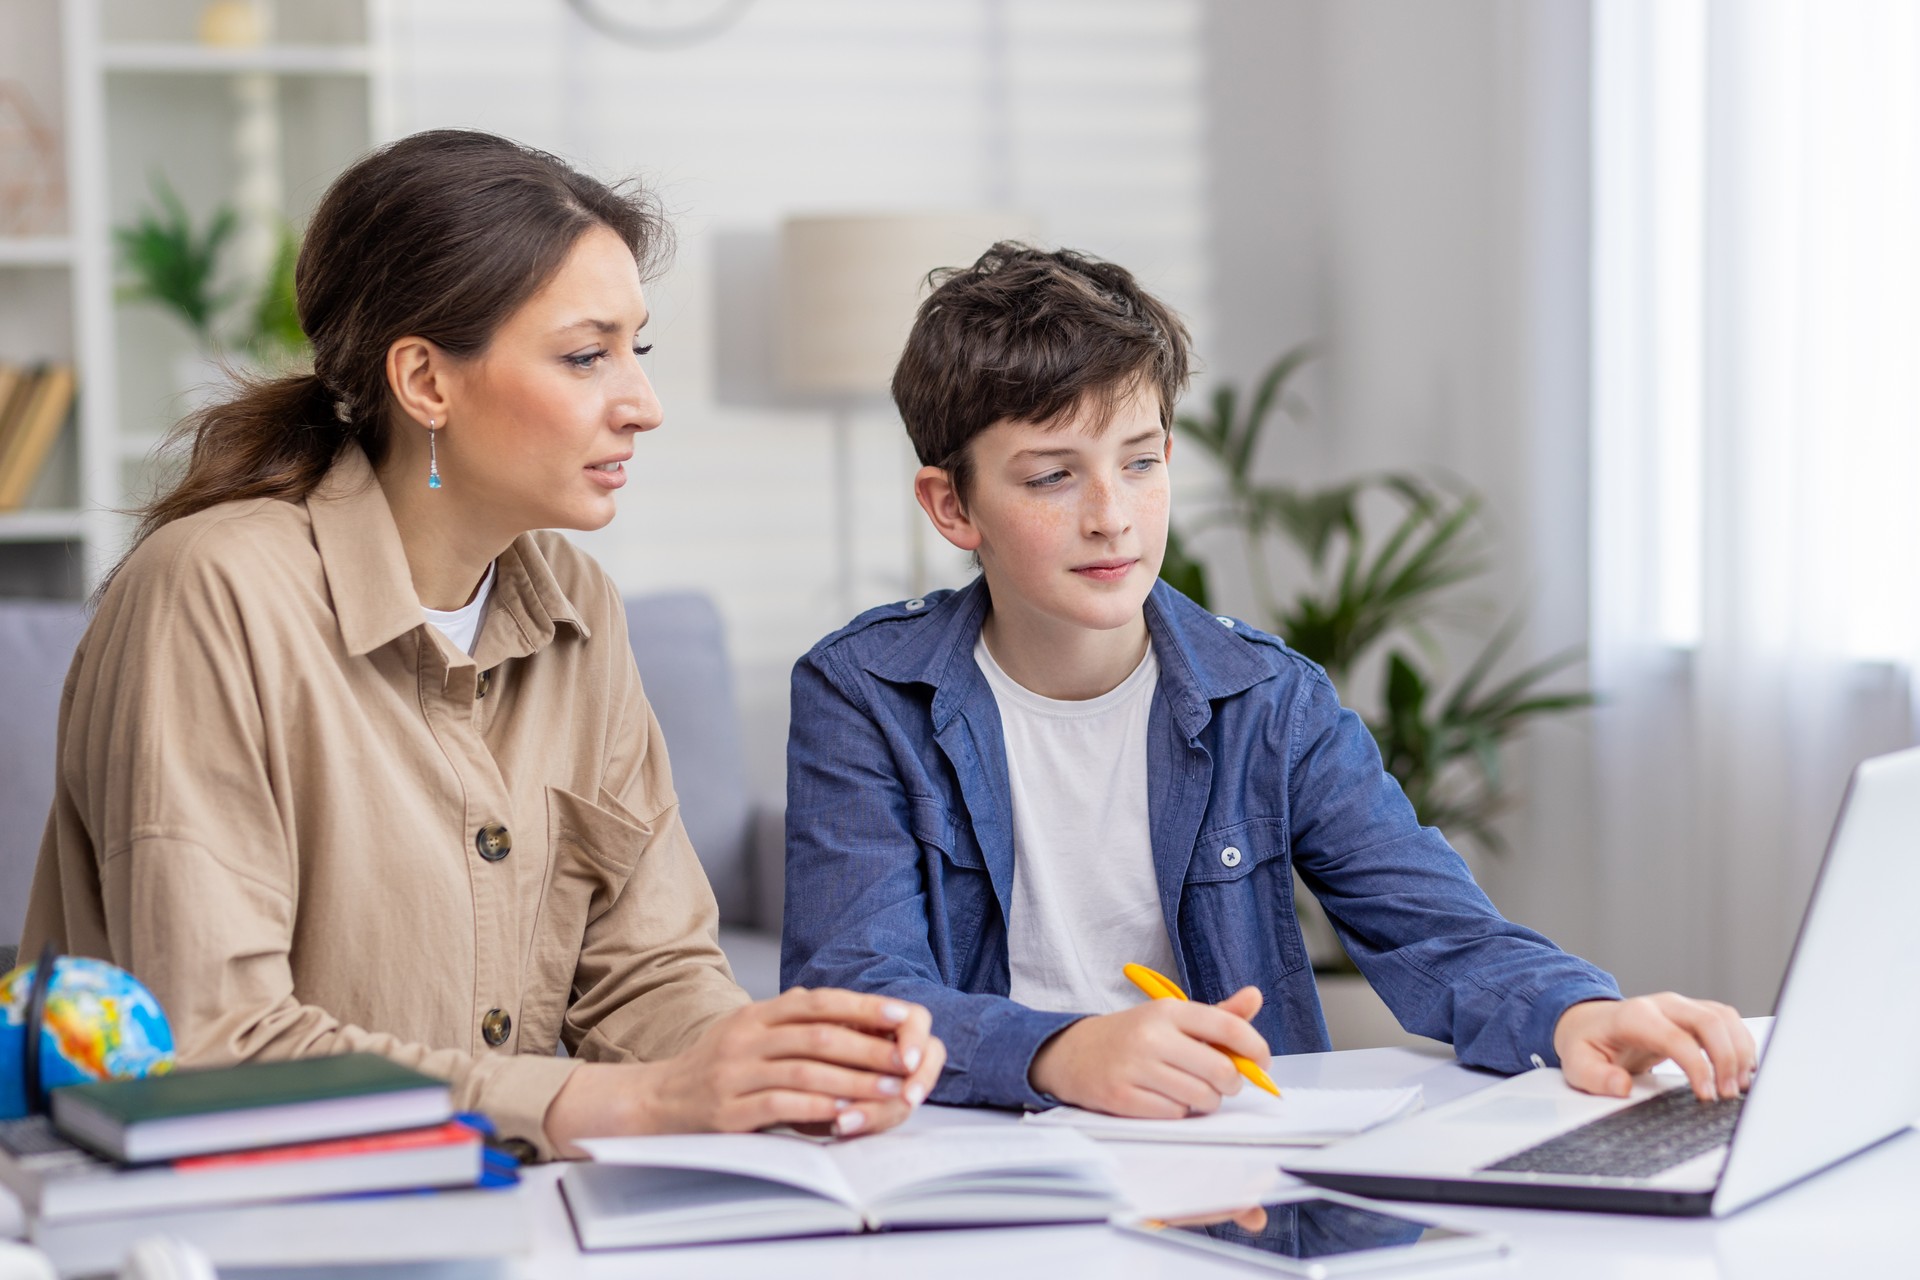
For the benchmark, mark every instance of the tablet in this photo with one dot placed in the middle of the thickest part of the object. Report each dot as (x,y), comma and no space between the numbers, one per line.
(1328,1235)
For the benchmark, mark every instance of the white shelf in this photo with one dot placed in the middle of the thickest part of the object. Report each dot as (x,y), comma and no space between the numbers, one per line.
(194,59)
(41,526)
(35,251)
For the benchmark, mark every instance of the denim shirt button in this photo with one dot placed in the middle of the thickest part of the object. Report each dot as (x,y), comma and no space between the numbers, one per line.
(916,604)
(1537,1060)
(1223,620)
(1229,857)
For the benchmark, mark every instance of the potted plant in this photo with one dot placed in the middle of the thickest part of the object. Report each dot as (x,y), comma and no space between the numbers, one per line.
(168,261)
(1358,597)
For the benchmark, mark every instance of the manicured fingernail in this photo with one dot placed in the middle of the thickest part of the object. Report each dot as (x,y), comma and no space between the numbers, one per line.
(849,1122)
(894,1012)
(889,1085)
(911,1059)
(916,1094)
(841,1104)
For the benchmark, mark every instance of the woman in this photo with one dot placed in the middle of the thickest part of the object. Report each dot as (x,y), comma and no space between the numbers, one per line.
(352,758)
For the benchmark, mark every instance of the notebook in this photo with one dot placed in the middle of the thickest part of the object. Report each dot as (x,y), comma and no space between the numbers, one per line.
(1301,1118)
(264,1104)
(724,1187)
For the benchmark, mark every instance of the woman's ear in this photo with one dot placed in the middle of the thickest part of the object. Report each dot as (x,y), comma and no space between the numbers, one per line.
(417,376)
(933,490)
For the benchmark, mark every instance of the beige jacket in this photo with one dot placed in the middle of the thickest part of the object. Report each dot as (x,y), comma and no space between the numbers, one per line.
(310,825)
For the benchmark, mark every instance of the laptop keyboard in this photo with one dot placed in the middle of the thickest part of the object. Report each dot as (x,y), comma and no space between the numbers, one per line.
(1634,1142)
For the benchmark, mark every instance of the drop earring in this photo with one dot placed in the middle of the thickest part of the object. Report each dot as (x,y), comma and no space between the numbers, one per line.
(433,456)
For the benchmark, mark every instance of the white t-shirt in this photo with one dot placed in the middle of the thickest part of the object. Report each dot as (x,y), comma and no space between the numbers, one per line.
(462,625)
(1085,901)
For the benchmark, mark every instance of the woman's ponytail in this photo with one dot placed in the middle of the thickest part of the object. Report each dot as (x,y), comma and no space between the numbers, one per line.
(275,439)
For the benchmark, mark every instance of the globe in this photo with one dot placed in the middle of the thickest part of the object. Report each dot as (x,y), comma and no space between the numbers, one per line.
(100,1024)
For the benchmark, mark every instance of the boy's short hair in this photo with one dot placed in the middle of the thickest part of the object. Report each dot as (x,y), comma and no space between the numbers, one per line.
(1028,335)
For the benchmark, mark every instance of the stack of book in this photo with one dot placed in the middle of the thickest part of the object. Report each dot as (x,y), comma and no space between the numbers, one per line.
(325,1161)
(33,407)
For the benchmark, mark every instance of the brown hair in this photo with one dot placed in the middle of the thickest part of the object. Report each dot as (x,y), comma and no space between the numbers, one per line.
(441,235)
(1028,335)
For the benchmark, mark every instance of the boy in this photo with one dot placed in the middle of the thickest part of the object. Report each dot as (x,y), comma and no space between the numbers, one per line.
(999,796)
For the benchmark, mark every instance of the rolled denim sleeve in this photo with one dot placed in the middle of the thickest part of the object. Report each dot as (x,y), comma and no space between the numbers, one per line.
(1444,959)
(857,895)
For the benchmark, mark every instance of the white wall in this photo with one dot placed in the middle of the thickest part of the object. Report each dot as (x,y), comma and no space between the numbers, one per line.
(1085,113)
(1406,184)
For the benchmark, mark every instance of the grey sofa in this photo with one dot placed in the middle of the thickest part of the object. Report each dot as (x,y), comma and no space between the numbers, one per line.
(680,646)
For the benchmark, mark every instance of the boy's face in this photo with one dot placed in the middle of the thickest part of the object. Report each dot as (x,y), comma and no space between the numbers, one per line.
(1070,524)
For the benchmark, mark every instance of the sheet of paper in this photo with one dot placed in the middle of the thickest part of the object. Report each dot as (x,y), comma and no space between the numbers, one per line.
(1303,1117)
(754,1155)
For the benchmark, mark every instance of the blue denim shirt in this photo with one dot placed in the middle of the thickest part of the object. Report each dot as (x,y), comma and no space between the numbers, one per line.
(900,848)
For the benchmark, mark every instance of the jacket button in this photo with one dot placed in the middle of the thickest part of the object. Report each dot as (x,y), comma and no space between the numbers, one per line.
(916,604)
(482,684)
(493,841)
(496,1026)
(1229,857)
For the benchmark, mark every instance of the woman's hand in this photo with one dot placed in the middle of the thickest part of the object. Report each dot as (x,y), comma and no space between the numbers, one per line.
(857,1063)
(1603,1044)
(1158,1060)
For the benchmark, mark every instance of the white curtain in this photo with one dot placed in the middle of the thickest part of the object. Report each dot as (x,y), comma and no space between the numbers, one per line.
(1756,459)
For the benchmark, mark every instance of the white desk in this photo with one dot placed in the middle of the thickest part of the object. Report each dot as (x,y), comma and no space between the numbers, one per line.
(1861,1219)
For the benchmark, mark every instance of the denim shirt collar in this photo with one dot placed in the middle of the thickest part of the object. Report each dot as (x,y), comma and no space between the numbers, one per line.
(1201,659)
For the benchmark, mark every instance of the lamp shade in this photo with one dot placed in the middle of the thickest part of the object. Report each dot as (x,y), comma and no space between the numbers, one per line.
(849,287)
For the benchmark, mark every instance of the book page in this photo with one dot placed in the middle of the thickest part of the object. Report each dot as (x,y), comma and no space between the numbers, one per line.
(792,1161)
(883,1167)
(1304,1117)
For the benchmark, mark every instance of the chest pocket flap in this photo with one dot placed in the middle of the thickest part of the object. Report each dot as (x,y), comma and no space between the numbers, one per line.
(933,826)
(1234,853)
(595,846)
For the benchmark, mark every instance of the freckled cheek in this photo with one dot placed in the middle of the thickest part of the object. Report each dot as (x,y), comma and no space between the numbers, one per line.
(1151,511)
(1042,529)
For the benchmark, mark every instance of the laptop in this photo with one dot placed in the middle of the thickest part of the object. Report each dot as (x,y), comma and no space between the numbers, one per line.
(1840,1071)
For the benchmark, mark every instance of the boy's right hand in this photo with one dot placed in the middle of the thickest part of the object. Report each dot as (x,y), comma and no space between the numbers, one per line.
(1158,1060)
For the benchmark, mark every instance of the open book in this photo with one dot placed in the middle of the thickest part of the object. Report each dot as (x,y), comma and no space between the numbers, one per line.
(1302,1118)
(711,1187)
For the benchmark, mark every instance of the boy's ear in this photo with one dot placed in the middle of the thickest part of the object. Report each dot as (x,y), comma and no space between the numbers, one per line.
(933,490)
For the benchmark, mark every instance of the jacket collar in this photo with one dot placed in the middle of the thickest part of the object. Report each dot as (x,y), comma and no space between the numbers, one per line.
(372,588)
(1201,659)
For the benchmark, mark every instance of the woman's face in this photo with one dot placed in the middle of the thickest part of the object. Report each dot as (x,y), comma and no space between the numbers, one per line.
(540,425)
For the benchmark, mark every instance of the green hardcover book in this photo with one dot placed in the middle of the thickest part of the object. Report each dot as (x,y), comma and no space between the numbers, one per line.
(262,1104)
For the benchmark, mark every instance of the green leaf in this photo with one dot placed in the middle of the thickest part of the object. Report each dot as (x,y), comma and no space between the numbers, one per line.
(276,318)
(1271,385)
(171,263)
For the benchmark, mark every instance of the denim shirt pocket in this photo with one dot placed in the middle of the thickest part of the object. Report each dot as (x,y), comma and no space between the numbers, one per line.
(1236,910)
(957,884)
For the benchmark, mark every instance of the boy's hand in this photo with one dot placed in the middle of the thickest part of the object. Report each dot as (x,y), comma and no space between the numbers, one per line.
(1157,1060)
(1603,1043)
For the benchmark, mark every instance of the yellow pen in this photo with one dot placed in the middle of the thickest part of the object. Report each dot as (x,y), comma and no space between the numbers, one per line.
(1161,987)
